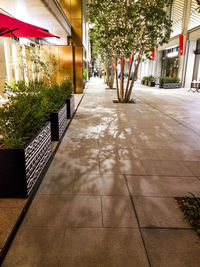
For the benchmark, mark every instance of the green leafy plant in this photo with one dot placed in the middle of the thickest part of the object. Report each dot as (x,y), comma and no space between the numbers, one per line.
(190,206)
(144,78)
(20,119)
(151,79)
(56,95)
(169,80)
(85,73)
(28,108)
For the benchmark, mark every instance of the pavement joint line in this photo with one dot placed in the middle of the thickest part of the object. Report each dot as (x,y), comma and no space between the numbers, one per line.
(102,211)
(82,194)
(140,196)
(166,228)
(158,175)
(134,210)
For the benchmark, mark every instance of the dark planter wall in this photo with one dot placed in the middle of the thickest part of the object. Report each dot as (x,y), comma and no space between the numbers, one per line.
(58,123)
(151,84)
(70,107)
(171,85)
(20,168)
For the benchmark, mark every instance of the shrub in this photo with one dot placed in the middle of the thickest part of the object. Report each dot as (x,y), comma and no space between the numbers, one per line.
(85,75)
(20,119)
(169,80)
(28,108)
(144,78)
(151,79)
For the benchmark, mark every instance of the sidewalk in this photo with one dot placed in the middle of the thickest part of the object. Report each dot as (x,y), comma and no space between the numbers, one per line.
(107,199)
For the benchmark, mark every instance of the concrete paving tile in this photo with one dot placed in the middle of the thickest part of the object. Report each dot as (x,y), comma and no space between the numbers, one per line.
(166,167)
(8,219)
(84,211)
(76,152)
(103,247)
(163,186)
(57,183)
(73,166)
(100,185)
(193,166)
(140,154)
(108,153)
(174,247)
(60,211)
(112,166)
(35,246)
(159,212)
(118,212)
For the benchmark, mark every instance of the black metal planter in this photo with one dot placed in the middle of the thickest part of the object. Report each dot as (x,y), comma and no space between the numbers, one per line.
(171,85)
(70,106)
(151,84)
(58,123)
(20,168)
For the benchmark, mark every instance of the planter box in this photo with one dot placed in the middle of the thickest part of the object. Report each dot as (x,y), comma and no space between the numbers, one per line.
(143,82)
(151,84)
(20,168)
(171,85)
(70,107)
(146,83)
(58,123)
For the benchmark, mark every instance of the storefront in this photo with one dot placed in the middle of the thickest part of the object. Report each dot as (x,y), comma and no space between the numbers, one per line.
(170,62)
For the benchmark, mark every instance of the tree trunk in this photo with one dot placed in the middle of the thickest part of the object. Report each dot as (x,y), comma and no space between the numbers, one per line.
(116,77)
(129,76)
(112,77)
(107,74)
(104,72)
(133,80)
(122,80)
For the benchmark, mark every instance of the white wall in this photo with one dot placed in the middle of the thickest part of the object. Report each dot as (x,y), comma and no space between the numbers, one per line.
(190,63)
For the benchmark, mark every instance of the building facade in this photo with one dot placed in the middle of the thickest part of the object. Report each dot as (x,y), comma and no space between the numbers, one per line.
(64,18)
(168,60)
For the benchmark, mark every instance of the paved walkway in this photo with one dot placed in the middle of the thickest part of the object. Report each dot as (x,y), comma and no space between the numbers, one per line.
(107,199)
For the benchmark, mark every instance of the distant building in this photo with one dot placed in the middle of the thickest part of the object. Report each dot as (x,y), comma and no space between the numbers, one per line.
(64,18)
(168,60)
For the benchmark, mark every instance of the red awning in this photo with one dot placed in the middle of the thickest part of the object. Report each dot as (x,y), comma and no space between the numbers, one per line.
(11,27)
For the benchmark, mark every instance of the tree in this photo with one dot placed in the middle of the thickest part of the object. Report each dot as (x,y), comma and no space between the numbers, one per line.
(198,8)
(129,28)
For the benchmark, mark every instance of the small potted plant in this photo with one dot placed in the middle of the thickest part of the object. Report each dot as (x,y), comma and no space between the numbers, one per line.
(151,81)
(143,80)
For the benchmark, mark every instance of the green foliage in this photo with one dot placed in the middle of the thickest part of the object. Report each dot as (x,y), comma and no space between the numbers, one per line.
(190,206)
(28,109)
(198,3)
(151,79)
(145,78)
(85,73)
(128,28)
(42,64)
(148,78)
(169,80)
(20,119)
(56,96)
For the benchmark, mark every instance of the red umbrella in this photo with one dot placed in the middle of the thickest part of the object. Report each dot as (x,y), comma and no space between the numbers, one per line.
(11,27)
